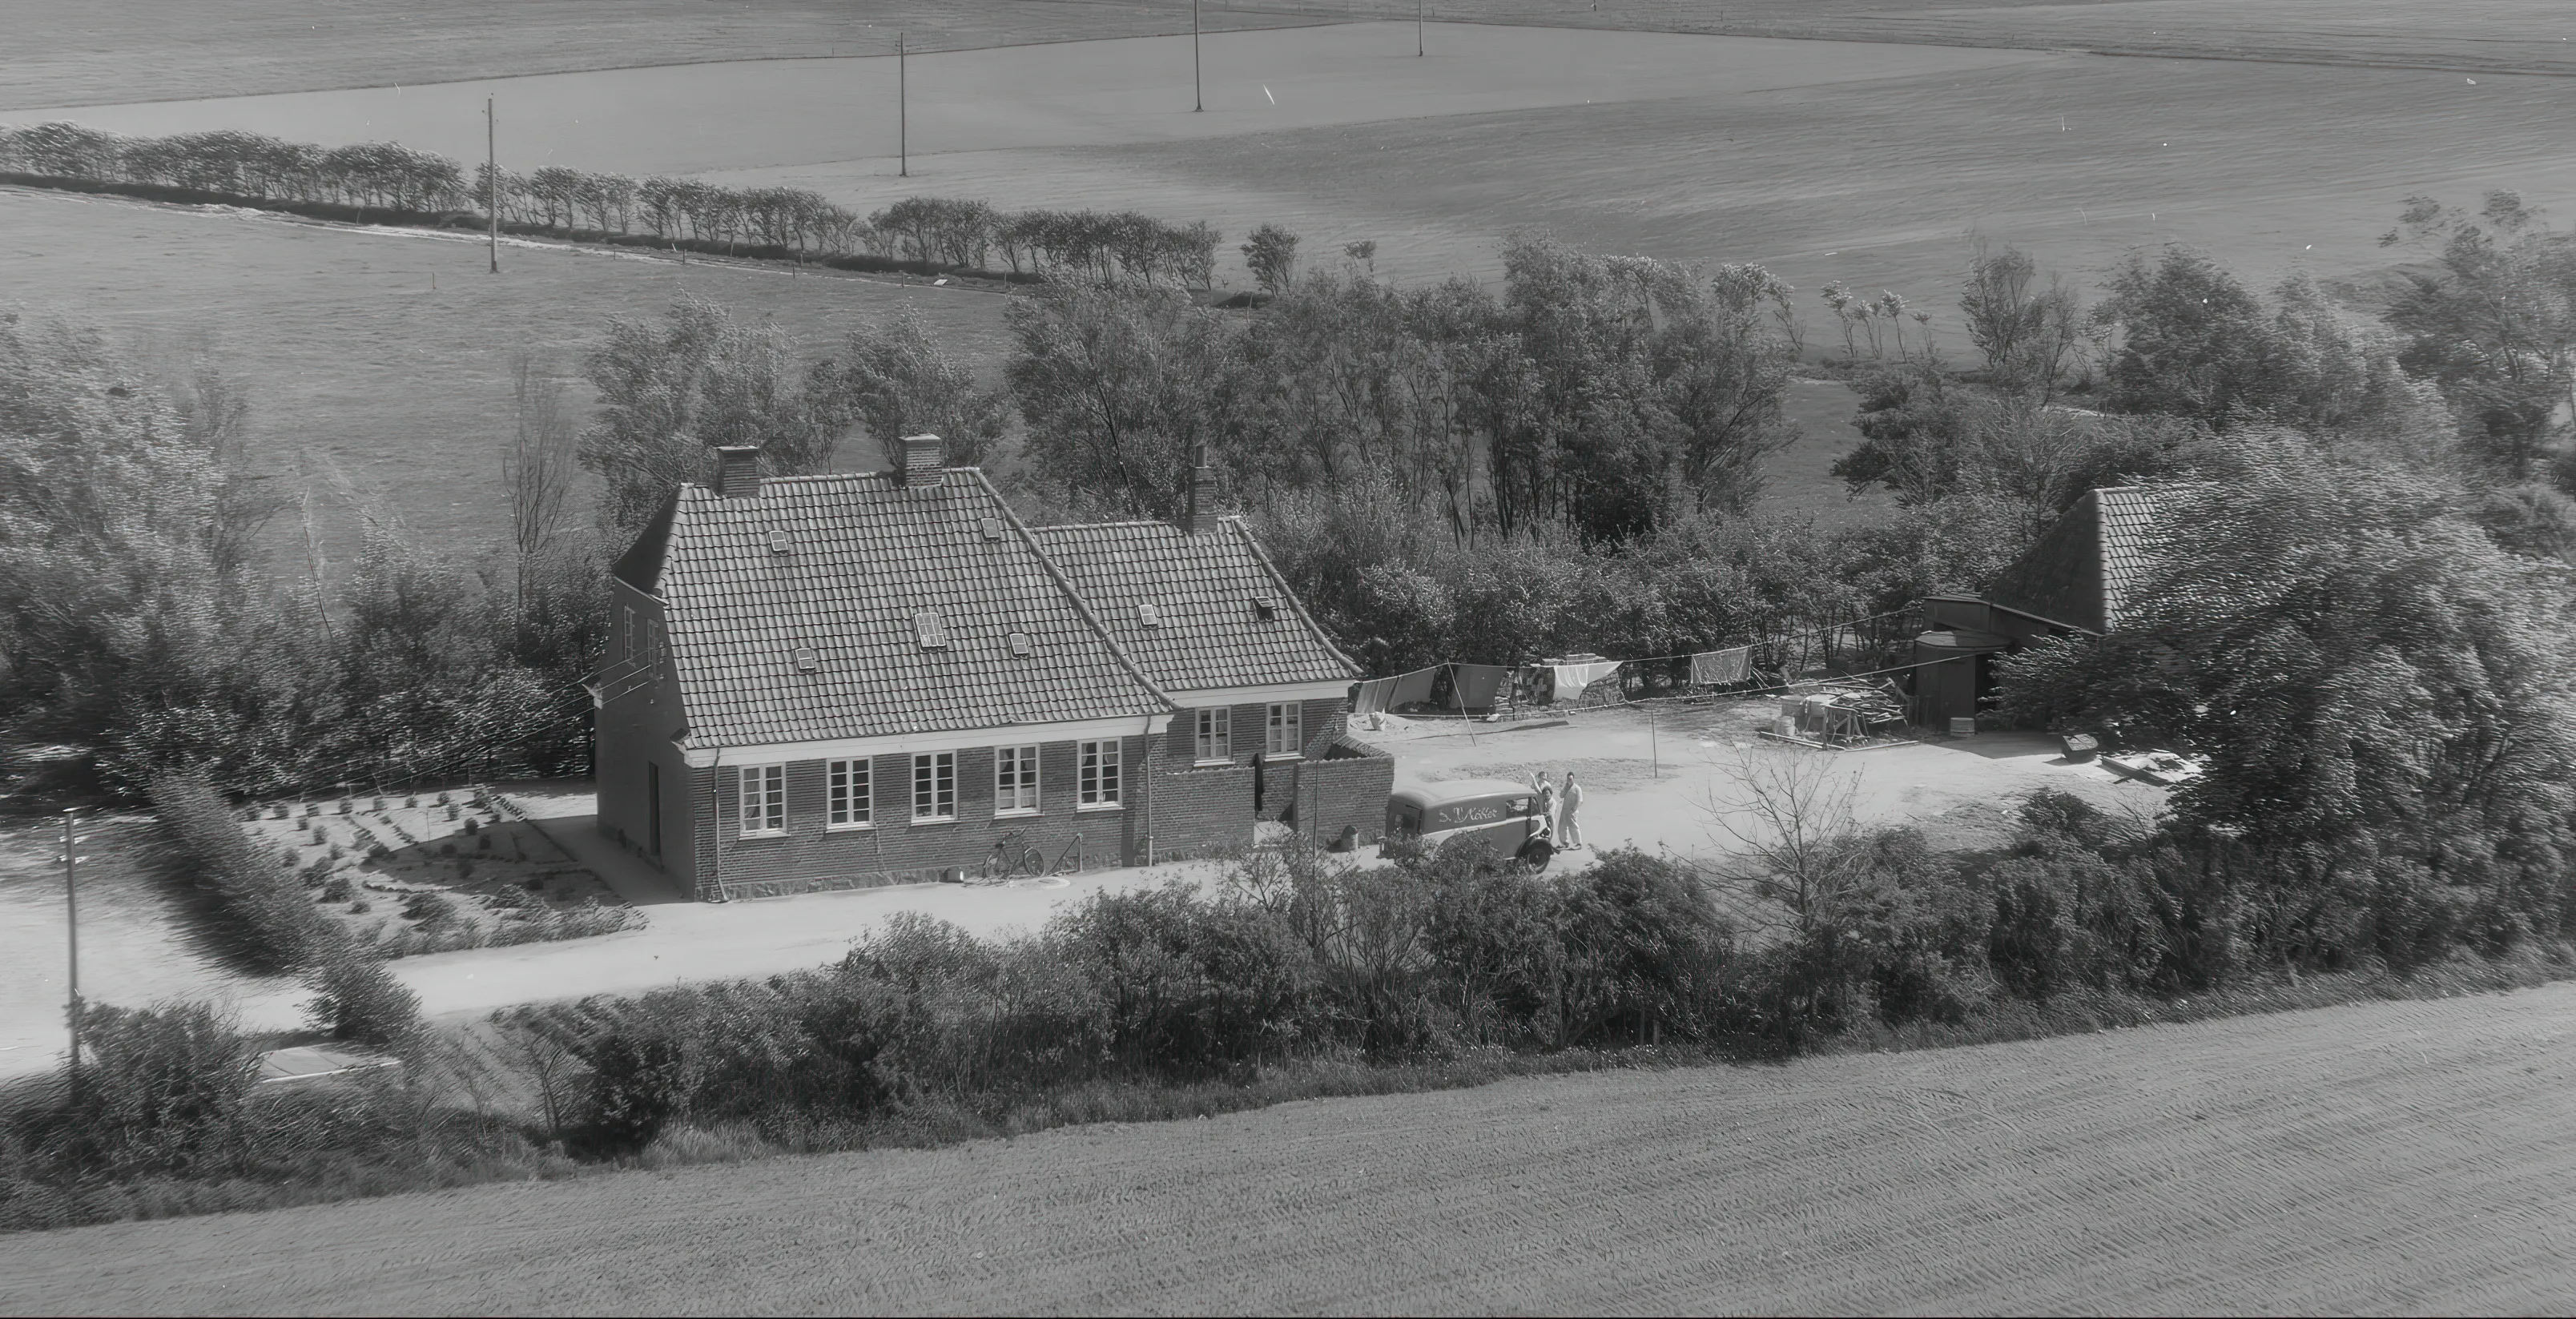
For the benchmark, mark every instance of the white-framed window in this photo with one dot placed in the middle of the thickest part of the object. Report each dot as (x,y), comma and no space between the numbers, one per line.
(852,802)
(1099,776)
(1015,780)
(934,787)
(764,801)
(1287,735)
(626,637)
(1216,736)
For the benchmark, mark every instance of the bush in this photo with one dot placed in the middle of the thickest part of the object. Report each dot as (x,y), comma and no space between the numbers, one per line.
(336,889)
(637,1083)
(432,910)
(264,920)
(356,998)
(159,1090)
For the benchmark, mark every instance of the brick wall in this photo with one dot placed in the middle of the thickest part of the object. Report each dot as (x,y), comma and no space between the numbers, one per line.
(1328,795)
(632,735)
(811,856)
(1201,812)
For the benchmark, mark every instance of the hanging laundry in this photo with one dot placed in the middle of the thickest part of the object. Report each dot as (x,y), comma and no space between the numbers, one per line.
(1571,679)
(1721,668)
(1477,686)
(1412,688)
(1371,697)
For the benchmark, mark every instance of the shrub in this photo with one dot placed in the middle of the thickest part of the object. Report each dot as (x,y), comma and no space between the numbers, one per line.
(472,826)
(356,998)
(432,910)
(159,1090)
(335,889)
(637,1083)
(264,919)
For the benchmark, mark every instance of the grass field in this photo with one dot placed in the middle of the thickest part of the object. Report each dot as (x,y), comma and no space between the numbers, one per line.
(2384,1158)
(67,52)
(356,363)
(1880,182)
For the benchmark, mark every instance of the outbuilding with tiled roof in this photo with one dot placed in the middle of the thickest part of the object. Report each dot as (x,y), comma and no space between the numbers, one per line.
(2079,578)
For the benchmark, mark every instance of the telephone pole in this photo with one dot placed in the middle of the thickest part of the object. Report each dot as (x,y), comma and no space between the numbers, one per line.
(902,111)
(492,180)
(1417,29)
(71,912)
(1198,93)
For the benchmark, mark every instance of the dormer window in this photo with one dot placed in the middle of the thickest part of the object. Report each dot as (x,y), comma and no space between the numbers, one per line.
(992,528)
(781,543)
(808,660)
(1265,608)
(1149,615)
(1021,646)
(929,631)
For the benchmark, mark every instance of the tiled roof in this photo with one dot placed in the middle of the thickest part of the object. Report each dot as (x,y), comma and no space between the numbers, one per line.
(2128,517)
(864,557)
(1208,631)
(2082,569)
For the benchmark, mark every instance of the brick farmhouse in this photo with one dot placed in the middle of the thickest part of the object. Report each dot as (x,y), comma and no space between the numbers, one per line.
(855,679)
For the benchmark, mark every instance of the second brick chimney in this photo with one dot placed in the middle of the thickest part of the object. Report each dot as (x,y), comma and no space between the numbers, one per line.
(737,472)
(924,458)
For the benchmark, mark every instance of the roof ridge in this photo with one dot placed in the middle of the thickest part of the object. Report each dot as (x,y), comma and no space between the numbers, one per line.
(1281,579)
(1104,526)
(1064,583)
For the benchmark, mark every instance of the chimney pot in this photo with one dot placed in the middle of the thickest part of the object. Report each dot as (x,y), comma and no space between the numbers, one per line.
(737,472)
(923,459)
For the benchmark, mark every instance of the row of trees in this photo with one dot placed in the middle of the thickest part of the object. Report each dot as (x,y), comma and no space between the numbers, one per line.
(372,174)
(1103,247)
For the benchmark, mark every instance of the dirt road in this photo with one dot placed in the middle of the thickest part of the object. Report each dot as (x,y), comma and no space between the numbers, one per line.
(2388,1157)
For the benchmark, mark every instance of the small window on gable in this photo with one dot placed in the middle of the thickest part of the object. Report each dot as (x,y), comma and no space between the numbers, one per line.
(927,629)
(1265,608)
(1149,615)
(808,660)
(781,543)
(1021,646)
(992,528)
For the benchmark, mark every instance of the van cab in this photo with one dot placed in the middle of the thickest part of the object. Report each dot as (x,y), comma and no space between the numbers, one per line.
(1498,816)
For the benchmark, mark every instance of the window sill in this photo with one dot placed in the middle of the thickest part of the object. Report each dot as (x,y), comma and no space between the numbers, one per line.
(1274,757)
(861,827)
(1219,762)
(1029,813)
(1102,806)
(763,833)
(934,819)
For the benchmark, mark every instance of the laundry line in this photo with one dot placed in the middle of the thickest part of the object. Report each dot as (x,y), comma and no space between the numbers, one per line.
(1468,682)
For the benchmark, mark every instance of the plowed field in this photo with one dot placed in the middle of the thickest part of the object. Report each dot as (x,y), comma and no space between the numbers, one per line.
(2415,1157)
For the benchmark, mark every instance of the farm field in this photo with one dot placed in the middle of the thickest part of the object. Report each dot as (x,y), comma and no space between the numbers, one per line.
(2381,1158)
(355,364)
(351,358)
(81,52)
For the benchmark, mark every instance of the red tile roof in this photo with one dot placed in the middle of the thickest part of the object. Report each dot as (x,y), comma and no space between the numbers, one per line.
(865,557)
(2084,567)
(1209,632)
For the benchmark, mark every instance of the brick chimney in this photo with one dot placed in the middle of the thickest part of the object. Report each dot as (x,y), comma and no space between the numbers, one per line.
(924,459)
(737,472)
(1200,515)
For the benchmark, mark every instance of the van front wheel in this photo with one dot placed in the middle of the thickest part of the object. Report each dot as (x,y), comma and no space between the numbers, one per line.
(1534,854)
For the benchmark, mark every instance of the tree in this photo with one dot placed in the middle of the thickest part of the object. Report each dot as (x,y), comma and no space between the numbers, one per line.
(538,467)
(1271,255)
(2493,326)
(2187,339)
(892,381)
(673,388)
(2026,333)
(2361,665)
(1120,387)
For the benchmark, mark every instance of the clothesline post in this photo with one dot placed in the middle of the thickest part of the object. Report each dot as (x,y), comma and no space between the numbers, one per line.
(1654,746)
